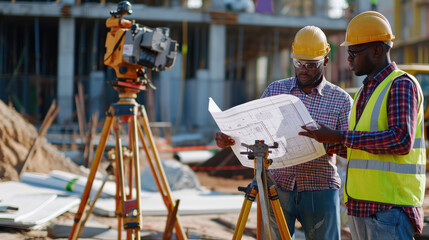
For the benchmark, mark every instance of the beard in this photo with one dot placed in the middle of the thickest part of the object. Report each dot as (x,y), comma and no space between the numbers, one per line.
(313,81)
(366,64)
(360,73)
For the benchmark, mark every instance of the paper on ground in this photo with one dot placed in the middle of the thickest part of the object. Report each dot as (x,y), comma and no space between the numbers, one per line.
(36,206)
(273,119)
(192,202)
(66,181)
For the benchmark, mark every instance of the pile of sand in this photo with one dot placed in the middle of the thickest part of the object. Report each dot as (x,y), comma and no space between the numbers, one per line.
(16,138)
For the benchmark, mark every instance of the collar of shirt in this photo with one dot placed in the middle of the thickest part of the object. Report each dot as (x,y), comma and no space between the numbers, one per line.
(318,89)
(380,76)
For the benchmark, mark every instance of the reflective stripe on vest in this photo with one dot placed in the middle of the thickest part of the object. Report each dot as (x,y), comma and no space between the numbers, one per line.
(388,166)
(386,178)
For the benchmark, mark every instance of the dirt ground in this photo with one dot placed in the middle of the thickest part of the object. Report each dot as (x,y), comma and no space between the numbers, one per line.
(205,226)
(212,226)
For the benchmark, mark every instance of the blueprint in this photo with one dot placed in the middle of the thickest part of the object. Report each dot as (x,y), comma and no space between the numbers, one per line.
(273,119)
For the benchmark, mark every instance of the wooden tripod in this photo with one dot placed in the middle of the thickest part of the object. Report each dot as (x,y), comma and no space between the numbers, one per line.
(128,210)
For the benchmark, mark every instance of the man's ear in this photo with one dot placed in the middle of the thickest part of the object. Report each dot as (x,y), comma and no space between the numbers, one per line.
(378,50)
(325,63)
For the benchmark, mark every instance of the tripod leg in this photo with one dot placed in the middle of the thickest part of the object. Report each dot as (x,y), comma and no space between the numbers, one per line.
(118,174)
(130,171)
(130,210)
(244,214)
(278,213)
(263,196)
(160,174)
(154,171)
(120,184)
(136,166)
(95,163)
(91,208)
(258,219)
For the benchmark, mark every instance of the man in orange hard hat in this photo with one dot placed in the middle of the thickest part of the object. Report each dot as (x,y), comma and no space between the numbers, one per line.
(308,192)
(386,156)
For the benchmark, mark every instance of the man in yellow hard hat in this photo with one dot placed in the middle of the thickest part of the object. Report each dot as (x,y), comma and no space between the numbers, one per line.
(308,192)
(386,157)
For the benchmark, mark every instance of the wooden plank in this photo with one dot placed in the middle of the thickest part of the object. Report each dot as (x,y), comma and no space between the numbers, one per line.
(80,111)
(49,118)
(248,231)
(89,146)
(171,221)
(221,17)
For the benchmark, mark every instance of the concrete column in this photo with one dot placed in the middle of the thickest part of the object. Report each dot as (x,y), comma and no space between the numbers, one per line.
(320,8)
(217,54)
(202,115)
(65,73)
(362,6)
(167,98)
(276,71)
(97,81)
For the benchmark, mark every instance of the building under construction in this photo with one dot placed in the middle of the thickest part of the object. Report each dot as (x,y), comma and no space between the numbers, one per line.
(228,50)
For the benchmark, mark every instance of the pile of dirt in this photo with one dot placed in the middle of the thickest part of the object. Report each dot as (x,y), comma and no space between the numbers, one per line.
(16,138)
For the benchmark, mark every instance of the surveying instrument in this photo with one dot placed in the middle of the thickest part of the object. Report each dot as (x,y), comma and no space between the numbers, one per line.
(130,50)
(263,186)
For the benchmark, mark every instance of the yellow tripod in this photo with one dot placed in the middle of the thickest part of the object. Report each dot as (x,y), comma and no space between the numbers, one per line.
(263,186)
(128,211)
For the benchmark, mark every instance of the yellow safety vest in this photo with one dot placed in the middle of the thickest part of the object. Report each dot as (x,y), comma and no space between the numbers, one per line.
(386,178)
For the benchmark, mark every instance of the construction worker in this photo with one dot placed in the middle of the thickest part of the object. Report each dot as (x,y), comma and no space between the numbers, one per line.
(385,181)
(309,192)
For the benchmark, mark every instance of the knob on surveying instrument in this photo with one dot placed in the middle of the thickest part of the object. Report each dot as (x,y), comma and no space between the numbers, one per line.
(123,8)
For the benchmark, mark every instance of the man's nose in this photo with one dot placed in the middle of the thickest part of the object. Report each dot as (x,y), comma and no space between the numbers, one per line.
(303,69)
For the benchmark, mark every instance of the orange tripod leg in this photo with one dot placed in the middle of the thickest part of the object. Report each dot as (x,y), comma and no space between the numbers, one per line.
(95,163)
(158,172)
(130,210)
(136,167)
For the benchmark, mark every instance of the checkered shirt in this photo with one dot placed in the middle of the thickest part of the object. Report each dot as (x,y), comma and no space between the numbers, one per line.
(327,104)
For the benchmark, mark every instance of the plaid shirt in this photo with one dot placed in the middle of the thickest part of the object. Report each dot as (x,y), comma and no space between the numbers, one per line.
(402,121)
(327,104)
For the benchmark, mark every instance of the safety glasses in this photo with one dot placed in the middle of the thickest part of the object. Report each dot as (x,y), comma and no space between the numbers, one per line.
(352,54)
(309,65)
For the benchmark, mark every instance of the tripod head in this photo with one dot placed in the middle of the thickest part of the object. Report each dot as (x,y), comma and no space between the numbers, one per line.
(132,50)
(259,149)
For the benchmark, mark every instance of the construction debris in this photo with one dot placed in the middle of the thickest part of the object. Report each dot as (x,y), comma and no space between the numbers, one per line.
(31,207)
(225,164)
(16,138)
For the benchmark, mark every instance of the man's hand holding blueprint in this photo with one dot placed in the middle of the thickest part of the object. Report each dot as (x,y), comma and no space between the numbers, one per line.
(272,119)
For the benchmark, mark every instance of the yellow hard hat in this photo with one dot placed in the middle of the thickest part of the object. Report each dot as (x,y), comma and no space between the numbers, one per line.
(310,44)
(367,27)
